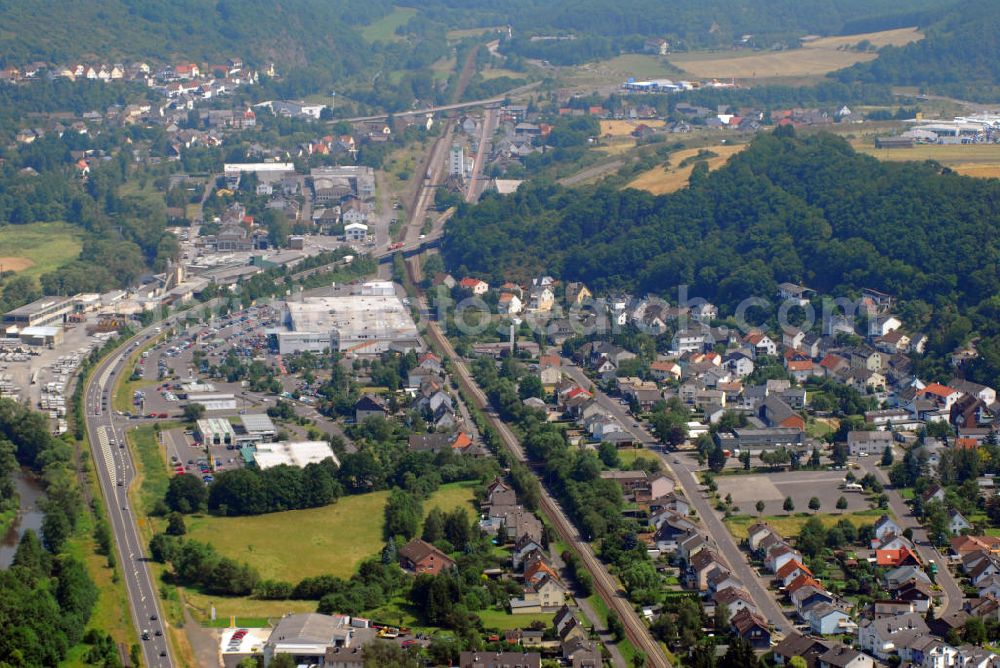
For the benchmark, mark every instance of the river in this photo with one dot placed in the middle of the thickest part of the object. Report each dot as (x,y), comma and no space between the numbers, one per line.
(31,494)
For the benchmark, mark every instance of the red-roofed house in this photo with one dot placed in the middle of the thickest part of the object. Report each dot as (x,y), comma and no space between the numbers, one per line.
(509,304)
(790,571)
(904,556)
(474,285)
(800,370)
(941,394)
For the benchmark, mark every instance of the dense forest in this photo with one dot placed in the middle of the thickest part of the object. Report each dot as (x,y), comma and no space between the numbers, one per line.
(604,28)
(808,210)
(292,32)
(957,57)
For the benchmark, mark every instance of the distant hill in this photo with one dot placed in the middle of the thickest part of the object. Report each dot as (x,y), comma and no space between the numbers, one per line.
(288,32)
(958,56)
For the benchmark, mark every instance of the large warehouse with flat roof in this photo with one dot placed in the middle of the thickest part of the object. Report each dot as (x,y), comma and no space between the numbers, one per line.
(293,454)
(369,323)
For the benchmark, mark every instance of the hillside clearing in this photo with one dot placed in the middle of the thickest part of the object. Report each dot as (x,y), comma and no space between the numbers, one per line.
(977,160)
(384,30)
(662,180)
(815,58)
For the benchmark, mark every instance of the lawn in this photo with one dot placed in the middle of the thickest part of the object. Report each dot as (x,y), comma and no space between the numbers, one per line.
(301,543)
(673,177)
(503,620)
(979,160)
(384,30)
(462,33)
(39,248)
(153,474)
(628,456)
(454,495)
(790,525)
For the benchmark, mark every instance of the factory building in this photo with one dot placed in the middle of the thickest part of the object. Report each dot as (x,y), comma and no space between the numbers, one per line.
(371,322)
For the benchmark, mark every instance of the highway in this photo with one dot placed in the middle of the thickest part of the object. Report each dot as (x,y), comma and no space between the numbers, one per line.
(767,604)
(115,473)
(635,629)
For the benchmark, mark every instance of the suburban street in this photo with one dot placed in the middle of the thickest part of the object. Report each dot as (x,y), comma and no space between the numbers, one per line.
(116,472)
(609,590)
(952,593)
(730,551)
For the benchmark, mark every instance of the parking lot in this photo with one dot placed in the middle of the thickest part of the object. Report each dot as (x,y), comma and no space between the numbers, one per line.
(799,485)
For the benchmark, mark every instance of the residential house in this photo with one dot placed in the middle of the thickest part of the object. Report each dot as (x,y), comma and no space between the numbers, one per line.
(797,294)
(918,593)
(795,644)
(868,442)
(842,656)
(499,660)
(878,636)
(761,344)
(752,627)
(474,286)
(701,566)
(735,599)
(957,523)
(369,406)
(419,556)
(791,571)
(777,414)
(827,619)
(509,304)
(663,370)
(577,294)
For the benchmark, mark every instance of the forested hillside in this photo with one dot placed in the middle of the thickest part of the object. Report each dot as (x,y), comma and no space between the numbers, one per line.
(290,32)
(605,28)
(809,210)
(957,57)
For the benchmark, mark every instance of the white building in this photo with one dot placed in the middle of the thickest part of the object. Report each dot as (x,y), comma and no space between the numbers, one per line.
(297,454)
(371,322)
(214,402)
(355,232)
(456,161)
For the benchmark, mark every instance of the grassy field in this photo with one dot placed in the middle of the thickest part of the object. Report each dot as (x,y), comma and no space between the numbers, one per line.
(979,160)
(154,476)
(662,180)
(616,70)
(627,457)
(897,37)
(814,58)
(384,30)
(300,543)
(503,620)
(790,525)
(626,128)
(462,33)
(453,495)
(38,248)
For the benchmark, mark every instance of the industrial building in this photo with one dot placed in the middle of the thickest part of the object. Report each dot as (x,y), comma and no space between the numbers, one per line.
(372,322)
(215,431)
(309,637)
(40,312)
(332,183)
(214,402)
(255,429)
(268,170)
(42,336)
(297,454)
